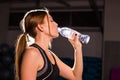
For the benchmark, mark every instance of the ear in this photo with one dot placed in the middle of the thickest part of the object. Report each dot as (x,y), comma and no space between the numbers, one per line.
(40,27)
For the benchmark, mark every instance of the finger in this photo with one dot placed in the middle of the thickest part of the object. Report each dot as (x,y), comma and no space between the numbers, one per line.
(76,37)
(70,40)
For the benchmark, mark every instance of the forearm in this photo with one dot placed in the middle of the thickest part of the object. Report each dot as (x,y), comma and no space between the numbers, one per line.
(78,63)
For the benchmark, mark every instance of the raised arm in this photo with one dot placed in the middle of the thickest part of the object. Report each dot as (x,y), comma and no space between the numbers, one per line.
(74,73)
(78,60)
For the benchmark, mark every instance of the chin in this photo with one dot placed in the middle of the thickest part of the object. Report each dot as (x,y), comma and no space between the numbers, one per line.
(55,36)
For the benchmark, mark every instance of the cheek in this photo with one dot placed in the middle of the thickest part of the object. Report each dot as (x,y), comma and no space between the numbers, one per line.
(55,29)
(54,32)
(46,29)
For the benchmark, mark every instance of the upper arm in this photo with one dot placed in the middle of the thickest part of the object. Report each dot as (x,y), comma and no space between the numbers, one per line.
(29,65)
(65,71)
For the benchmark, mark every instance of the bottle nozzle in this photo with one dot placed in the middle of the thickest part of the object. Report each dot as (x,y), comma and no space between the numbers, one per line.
(59,29)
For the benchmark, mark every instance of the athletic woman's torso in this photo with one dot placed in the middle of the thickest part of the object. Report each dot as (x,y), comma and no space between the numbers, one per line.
(49,71)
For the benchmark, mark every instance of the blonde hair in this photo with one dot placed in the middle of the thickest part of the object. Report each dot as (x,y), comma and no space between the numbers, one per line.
(28,25)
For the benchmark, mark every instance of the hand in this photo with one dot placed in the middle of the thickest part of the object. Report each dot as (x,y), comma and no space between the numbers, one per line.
(75,41)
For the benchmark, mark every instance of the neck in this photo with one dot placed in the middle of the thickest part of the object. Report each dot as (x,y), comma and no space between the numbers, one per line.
(43,42)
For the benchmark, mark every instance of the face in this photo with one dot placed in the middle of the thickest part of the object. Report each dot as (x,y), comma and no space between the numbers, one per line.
(51,27)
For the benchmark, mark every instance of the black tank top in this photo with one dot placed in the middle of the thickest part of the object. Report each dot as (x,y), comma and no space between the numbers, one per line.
(49,71)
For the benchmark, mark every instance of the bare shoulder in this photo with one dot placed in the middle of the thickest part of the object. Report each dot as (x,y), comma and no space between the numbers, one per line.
(32,54)
(33,58)
(32,51)
(31,62)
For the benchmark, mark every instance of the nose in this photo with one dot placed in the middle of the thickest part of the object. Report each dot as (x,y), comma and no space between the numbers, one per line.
(56,23)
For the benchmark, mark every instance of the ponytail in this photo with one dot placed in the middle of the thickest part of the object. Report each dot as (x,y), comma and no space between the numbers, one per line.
(20,47)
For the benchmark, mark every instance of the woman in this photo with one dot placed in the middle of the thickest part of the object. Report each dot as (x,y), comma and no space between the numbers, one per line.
(36,61)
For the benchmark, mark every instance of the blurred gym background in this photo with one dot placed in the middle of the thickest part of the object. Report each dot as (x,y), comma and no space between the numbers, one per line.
(98,18)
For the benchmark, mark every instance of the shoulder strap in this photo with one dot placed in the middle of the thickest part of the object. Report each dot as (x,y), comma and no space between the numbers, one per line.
(53,56)
(44,57)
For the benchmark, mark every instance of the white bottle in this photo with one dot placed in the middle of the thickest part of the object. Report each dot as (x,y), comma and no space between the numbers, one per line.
(68,33)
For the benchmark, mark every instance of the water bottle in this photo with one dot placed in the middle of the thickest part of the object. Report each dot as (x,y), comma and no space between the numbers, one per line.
(68,33)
